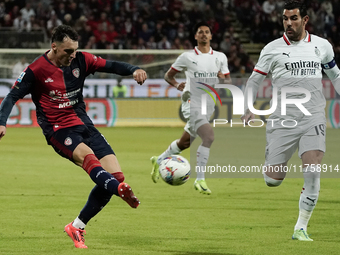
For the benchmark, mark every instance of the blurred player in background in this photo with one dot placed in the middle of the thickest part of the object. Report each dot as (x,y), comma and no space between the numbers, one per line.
(120,90)
(56,80)
(19,67)
(296,61)
(202,60)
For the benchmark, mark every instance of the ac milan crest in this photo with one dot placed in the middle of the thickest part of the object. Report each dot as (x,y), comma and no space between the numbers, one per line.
(76,72)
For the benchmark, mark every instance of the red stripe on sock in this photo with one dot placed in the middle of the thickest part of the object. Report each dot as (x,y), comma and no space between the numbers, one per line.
(119,176)
(90,162)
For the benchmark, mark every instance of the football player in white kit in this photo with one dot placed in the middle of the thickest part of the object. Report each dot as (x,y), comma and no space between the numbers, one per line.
(295,61)
(200,64)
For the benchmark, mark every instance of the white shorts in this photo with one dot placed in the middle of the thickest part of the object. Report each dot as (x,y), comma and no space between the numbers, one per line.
(282,142)
(194,117)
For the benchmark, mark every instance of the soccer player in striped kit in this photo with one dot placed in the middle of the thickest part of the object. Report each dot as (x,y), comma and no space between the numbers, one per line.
(56,80)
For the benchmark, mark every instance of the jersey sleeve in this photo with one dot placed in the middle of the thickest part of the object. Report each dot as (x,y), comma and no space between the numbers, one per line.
(330,67)
(224,67)
(21,88)
(180,63)
(328,61)
(264,63)
(93,63)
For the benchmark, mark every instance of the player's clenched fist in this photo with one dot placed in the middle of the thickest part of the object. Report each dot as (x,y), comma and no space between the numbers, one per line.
(139,76)
(2,131)
(220,75)
(180,86)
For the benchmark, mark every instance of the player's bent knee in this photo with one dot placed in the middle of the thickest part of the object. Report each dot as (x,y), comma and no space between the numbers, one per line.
(81,151)
(182,145)
(271,182)
(210,139)
(186,145)
(119,176)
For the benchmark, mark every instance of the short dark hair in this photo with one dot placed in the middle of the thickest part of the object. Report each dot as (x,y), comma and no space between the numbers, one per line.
(200,24)
(294,4)
(62,31)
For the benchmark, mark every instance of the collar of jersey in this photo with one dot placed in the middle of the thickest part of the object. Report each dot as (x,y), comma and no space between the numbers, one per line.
(198,52)
(306,39)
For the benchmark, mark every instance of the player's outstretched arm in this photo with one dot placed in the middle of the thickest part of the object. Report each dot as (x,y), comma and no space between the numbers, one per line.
(139,76)
(169,77)
(117,67)
(2,131)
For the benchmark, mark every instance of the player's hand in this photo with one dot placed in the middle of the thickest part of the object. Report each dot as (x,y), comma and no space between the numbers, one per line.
(220,75)
(223,79)
(2,131)
(139,76)
(180,86)
(248,116)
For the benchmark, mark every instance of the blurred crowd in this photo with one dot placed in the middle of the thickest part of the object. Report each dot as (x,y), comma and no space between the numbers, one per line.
(167,24)
(265,18)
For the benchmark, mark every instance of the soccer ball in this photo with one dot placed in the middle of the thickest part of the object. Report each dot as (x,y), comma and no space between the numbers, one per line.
(175,170)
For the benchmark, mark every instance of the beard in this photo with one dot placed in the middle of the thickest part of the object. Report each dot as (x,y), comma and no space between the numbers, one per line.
(293,35)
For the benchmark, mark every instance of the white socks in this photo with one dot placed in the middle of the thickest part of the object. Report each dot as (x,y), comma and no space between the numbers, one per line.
(202,160)
(77,223)
(171,150)
(309,196)
(303,219)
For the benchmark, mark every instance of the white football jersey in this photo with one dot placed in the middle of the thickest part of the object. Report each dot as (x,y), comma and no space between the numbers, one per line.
(201,66)
(297,65)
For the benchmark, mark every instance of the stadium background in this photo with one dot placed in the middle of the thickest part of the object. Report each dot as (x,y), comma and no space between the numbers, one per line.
(151,34)
(40,193)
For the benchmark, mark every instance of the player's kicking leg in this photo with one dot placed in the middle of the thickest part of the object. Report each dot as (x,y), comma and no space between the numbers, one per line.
(77,235)
(97,200)
(110,164)
(107,185)
(175,148)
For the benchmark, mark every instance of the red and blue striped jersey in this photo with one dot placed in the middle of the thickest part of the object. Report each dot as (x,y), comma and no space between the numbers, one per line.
(57,91)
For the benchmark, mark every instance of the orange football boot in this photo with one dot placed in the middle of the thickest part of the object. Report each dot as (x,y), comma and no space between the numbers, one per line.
(125,192)
(77,235)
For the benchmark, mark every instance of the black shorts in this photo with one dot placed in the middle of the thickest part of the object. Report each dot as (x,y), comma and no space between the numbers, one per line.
(65,140)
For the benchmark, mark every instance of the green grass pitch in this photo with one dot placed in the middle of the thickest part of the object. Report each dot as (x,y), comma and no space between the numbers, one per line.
(40,193)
